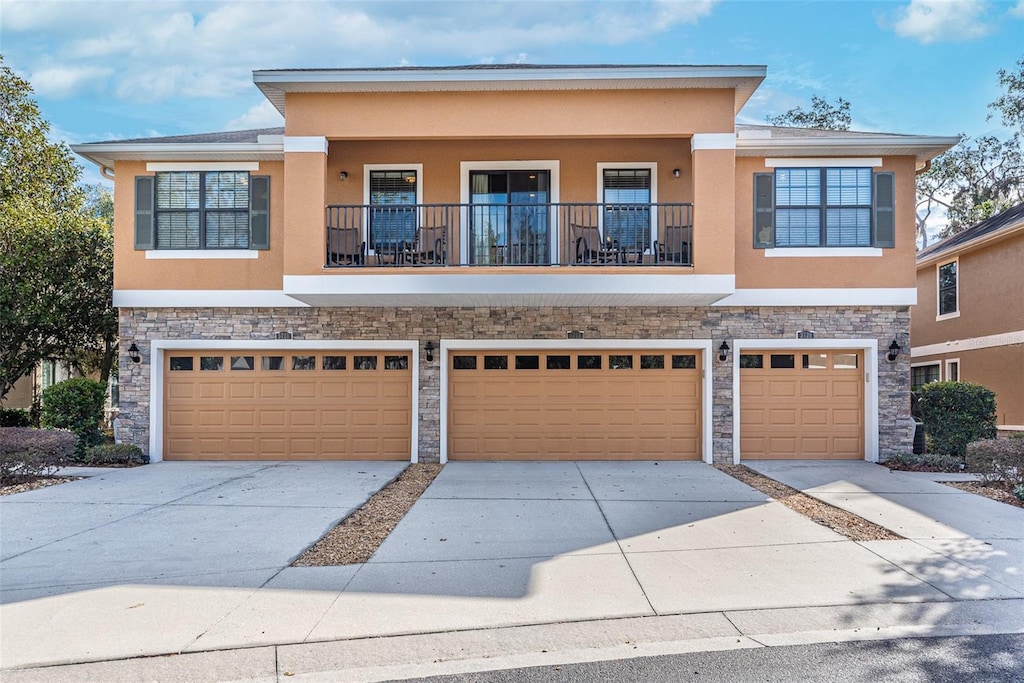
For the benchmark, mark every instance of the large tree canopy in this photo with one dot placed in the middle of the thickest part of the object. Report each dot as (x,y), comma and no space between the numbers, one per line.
(820,115)
(56,252)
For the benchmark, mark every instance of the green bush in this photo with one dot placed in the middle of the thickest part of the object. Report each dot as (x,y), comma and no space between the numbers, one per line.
(15,417)
(929,461)
(115,454)
(26,453)
(76,404)
(957,413)
(998,461)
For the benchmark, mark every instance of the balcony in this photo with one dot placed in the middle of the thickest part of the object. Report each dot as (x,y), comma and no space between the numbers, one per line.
(509,234)
(511,254)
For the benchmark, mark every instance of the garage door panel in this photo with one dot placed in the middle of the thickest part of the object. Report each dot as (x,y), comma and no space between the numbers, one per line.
(293,411)
(577,413)
(814,412)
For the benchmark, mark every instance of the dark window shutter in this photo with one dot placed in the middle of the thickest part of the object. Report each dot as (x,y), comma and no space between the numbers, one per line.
(145,235)
(259,212)
(884,209)
(764,210)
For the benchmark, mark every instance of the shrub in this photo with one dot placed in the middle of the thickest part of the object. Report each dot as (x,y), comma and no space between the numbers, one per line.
(15,417)
(27,452)
(927,461)
(115,454)
(1018,491)
(957,413)
(76,404)
(998,461)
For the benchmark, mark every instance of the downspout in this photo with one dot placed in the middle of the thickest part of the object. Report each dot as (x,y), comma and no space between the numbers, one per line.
(106,172)
(924,169)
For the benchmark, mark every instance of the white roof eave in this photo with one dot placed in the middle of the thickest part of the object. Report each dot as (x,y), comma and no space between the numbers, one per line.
(106,153)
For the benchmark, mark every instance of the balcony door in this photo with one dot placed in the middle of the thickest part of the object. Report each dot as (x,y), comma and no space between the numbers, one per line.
(509,217)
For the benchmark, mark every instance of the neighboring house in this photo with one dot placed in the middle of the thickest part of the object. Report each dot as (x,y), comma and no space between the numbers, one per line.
(968,324)
(515,262)
(30,388)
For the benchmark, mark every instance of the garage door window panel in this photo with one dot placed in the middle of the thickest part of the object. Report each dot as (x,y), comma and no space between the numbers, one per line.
(684,362)
(652,362)
(334,362)
(751,361)
(815,361)
(495,362)
(243,363)
(181,363)
(559,362)
(364,362)
(620,362)
(463,362)
(211,363)
(588,362)
(396,362)
(783,361)
(527,362)
(271,363)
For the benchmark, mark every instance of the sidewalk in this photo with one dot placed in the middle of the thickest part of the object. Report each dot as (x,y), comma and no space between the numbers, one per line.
(522,563)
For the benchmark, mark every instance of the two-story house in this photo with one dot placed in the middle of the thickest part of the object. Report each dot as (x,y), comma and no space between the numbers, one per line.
(968,324)
(515,262)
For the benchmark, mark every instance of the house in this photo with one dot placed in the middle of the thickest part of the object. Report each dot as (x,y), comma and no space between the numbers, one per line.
(29,388)
(515,262)
(968,324)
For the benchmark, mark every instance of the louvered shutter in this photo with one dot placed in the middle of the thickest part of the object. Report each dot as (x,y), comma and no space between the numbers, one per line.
(259,212)
(764,210)
(145,235)
(884,210)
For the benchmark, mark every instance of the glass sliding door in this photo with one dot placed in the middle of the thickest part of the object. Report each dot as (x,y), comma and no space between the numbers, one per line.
(509,221)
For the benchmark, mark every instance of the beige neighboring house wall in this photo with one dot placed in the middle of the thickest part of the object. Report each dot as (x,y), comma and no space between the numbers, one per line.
(981,339)
(30,386)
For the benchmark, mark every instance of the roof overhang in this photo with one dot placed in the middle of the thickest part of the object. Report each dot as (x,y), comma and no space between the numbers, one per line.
(275,84)
(971,245)
(104,154)
(921,147)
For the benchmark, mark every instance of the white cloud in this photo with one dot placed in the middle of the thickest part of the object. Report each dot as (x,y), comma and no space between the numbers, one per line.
(143,51)
(1017,11)
(934,21)
(262,115)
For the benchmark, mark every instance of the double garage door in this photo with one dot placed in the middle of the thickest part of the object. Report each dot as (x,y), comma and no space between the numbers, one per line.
(579,405)
(287,405)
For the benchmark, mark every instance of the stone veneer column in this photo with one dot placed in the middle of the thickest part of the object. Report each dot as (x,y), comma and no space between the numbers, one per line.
(305,178)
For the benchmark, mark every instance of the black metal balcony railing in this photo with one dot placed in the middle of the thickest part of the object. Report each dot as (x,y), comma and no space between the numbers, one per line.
(510,234)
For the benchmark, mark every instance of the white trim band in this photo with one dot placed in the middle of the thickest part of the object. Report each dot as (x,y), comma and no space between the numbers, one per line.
(305,143)
(203,298)
(157,166)
(822,252)
(208,254)
(970,344)
(701,141)
(824,162)
(894,296)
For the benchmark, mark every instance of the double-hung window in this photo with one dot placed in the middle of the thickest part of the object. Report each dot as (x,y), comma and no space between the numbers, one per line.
(948,304)
(823,207)
(188,210)
(627,206)
(392,207)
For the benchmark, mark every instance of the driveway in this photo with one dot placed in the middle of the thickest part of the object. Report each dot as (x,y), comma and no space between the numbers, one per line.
(180,557)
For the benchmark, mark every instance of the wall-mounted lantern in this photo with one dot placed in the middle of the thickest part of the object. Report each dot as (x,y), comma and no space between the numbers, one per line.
(429,348)
(894,351)
(723,352)
(133,354)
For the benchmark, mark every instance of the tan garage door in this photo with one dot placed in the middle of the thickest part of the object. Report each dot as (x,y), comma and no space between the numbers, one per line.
(287,405)
(588,405)
(795,404)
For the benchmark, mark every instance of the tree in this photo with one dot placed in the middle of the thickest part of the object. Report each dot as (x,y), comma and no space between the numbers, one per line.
(56,257)
(821,115)
(981,176)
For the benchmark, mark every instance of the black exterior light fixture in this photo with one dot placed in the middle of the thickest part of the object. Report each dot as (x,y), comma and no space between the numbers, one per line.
(894,351)
(429,348)
(133,354)
(343,175)
(676,173)
(723,352)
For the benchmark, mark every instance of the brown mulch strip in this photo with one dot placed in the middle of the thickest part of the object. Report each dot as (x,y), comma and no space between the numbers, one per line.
(358,536)
(34,483)
(993,492)
(838,520)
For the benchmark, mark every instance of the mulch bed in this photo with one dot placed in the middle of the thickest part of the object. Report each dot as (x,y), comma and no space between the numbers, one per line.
(33,483)
(994,492)
(358,536)
(838,520)
(907,467)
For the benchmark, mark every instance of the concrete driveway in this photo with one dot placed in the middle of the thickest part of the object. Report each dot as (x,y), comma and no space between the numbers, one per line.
(180,557)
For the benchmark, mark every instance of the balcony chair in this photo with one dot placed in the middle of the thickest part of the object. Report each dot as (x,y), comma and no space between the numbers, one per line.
(675,246)
(430,246)
(590,248)
(345,247)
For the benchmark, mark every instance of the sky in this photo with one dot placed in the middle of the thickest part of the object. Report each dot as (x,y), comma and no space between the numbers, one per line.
(141,68)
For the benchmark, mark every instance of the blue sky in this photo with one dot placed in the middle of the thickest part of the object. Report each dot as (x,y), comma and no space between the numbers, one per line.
(136,68)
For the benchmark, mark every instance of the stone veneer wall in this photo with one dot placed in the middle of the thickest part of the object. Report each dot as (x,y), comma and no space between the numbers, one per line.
(423,323)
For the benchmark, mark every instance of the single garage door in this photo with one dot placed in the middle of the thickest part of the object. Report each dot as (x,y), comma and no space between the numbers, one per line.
(287,405)
(796,404)
(587,405)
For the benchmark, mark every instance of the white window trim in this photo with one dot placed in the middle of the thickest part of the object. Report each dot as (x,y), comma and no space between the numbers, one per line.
(172,254)
(822,162)
(367,168)
(465,167)
(178,166)
(822,252)
(652,166)
(871,351)
(945,369)
(700,345)
(938,292)
(158,347)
